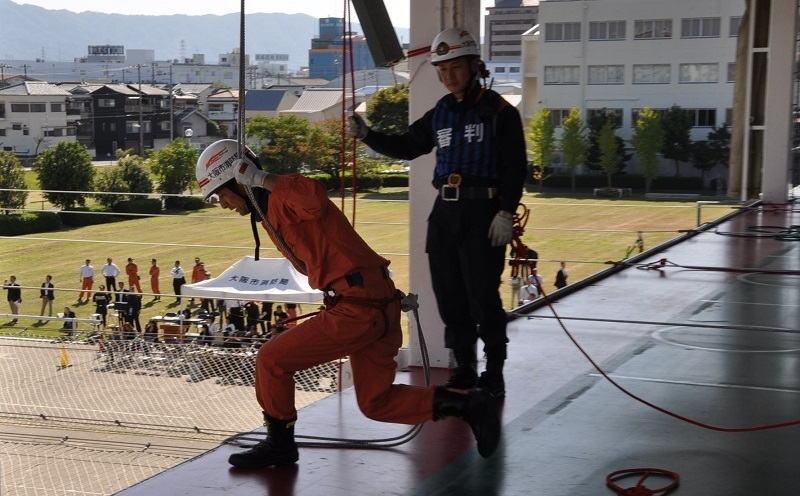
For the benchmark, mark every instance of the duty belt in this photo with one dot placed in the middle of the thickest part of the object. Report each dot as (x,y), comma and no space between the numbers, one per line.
(456,193)
(453,191)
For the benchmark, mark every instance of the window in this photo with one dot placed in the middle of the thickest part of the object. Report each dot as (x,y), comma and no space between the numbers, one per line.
(499,70)
(557,116)
(703,117)
(216,107)
(56,107)
(2,131)
(699,73)
(514,70)
(106,102)
(728,117)
(652,29)
(562,31)
(132,127)
(606,74)
(607,30)
(731,72)
(562,74)
(38,107)
(20,107)
(700,27)
(2,110)
(16,127)
(733,26)
(652,74)
(165,125)
(614,114)
(112,126)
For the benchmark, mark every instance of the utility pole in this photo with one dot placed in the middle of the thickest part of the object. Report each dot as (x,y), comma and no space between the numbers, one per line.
(3,74)
(141,116)
(171,107)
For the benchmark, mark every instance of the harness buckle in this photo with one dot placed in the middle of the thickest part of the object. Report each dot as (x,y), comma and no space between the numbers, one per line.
(449,191)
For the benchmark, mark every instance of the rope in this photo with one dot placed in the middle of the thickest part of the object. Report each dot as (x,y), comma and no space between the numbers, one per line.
(641,400)
(640,489)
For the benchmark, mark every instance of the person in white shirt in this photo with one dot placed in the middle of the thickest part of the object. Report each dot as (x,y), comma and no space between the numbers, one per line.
(178,279)
(110,271)
(86,278)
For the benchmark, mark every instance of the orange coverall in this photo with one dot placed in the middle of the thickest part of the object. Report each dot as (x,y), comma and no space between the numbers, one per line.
(369,333)
(155,271)
(133,276)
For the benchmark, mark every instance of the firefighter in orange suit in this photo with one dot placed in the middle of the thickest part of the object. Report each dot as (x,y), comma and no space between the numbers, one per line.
(361,317)
(132,270)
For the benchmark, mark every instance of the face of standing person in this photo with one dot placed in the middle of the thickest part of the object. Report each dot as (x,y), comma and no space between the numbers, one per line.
(457,74)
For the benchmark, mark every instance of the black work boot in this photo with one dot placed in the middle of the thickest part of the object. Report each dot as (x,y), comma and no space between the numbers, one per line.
(478,408)
(465,375)
(278,448)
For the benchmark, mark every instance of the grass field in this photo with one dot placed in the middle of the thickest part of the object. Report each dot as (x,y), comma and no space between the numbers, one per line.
(584,231)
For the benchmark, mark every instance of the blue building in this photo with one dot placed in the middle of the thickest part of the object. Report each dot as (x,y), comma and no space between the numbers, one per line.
(326,58)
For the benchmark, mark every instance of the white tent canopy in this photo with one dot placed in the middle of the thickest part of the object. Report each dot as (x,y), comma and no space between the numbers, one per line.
(266,279)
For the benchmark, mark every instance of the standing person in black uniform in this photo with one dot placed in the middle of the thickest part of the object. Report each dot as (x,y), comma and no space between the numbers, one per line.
(480,170)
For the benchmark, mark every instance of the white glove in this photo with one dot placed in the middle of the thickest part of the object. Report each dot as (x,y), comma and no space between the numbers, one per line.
(248,174)
(356,127)
(501,229)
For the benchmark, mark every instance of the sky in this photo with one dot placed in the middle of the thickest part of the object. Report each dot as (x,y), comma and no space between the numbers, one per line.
(398,9)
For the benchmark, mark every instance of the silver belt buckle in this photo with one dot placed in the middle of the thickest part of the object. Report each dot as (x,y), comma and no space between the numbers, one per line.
(449,193)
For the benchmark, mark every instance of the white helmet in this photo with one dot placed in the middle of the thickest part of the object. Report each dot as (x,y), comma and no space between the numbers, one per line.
(215,165)
(453,43)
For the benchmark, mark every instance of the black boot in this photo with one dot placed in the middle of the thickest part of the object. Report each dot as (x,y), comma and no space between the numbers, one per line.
(478,408)
(278,448)
(465,375)
(492,378)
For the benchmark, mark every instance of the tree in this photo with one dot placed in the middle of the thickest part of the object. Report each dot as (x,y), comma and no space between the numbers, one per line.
(609,150)
(677,124)
(12,176)
(174,166)
(128,176)
(286,143)
(596,123)
(574,145)
(702,157)
(647,141)
(67,167)
(387,111)
(541,142)
(719,140)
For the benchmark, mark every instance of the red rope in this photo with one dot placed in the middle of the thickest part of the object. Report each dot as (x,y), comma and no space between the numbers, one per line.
(652,405)
(640,489)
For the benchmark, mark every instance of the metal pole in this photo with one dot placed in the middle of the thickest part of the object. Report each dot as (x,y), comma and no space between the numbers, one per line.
(171,107)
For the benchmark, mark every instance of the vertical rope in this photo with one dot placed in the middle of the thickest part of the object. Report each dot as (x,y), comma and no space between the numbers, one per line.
(352,102)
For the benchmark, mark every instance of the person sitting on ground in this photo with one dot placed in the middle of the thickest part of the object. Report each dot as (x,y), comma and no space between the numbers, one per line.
(70,326)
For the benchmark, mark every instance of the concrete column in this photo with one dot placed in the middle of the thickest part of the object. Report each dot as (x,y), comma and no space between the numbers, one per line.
(428,18)
(778,101)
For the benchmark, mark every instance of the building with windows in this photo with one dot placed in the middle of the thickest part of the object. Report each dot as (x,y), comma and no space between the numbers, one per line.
(33,118)
(503,27)
(621,56)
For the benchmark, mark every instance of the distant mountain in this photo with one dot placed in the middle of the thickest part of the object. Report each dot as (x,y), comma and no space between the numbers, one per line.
(31,32)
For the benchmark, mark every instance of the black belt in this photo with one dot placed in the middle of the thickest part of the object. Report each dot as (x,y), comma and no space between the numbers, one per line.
(354,279)
(456,193)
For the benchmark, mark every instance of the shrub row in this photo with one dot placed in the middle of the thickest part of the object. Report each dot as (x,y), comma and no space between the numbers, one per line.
(636,181)
(36,222)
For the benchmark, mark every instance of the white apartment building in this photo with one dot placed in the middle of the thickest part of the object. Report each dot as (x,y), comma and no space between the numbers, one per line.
(33,118)
(624,55)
